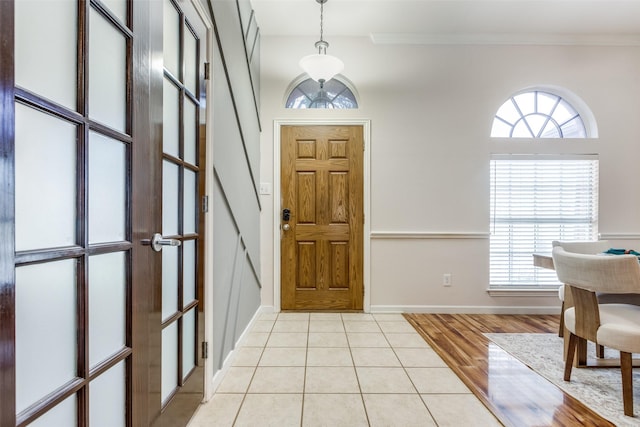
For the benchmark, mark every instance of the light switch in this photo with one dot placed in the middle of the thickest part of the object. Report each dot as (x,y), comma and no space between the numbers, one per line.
(265,188)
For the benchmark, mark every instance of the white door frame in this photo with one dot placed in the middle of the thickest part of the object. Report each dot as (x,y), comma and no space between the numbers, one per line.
(209,369)
(366,132)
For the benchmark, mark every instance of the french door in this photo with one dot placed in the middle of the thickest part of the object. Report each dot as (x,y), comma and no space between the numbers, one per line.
(181,321)
(101,149)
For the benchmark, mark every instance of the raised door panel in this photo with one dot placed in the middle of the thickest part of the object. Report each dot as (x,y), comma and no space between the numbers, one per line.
(321,261)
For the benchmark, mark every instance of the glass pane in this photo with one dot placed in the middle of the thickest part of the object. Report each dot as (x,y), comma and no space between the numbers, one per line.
(188,271)
(520,130)
(546,103)
(334,94)
(45,180)
(526,102)
(500,129)
(190,127)
(574,129)
(190,62)
(107,189)
(169,281)
(170,198)
(169,361)
(45,329)
(508,112)
(551,130)
(190,192)
(171,119)
(536,121)
(119,8)
(107,398)
(46,49)
(171,38)
(188,342)
(107,305)
(107,73)
(63,414)
(563,112)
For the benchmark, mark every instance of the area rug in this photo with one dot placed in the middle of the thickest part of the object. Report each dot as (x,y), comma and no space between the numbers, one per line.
(598,388)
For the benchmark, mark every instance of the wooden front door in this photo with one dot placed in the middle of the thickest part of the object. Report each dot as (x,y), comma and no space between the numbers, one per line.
(322,217)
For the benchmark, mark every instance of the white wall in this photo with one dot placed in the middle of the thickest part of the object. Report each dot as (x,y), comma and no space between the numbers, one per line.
(431,109)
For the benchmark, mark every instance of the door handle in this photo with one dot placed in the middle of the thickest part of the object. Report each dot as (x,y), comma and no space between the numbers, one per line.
(286,214)
(286,227)
(157,242)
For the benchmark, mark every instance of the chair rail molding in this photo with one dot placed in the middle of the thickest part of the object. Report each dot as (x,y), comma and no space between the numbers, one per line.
(619,236)
(400,235)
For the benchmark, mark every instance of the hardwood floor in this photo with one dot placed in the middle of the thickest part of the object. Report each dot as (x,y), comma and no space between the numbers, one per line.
(514,393)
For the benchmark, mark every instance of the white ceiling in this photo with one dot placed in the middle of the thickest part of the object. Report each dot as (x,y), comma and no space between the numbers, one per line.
(451,19)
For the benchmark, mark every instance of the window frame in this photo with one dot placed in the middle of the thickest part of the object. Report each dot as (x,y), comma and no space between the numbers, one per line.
(581,107)
(542,221)
(505,147)
(303,78)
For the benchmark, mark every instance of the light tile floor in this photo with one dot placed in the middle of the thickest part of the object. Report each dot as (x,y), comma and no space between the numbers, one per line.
(332,369)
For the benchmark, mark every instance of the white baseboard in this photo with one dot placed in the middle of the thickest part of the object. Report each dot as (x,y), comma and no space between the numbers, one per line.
(452,309)
(228,361)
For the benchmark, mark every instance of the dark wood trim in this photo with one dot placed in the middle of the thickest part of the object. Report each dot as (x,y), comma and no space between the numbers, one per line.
(77,385)
(146,178)
(82,332)
(113,360)
(115,21)
(44,255)
(36,102)
(39,408)
(7,217)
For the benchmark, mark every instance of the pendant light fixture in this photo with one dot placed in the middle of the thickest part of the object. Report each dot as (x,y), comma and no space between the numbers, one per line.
(320,66)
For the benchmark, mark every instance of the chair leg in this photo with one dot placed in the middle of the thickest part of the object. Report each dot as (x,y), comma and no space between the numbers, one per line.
(561,329)
(627,383)
(571,352)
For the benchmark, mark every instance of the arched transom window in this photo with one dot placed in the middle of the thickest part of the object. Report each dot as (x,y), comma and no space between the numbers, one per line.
(537,114)
(332,94)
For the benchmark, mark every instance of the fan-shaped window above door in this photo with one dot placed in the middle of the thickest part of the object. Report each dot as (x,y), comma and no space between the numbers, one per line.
(310,94)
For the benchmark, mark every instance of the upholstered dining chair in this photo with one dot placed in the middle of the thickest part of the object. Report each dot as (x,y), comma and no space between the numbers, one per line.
(613,325)
(580,247)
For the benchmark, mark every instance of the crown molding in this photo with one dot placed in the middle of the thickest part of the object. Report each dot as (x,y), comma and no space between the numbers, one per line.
(507,39)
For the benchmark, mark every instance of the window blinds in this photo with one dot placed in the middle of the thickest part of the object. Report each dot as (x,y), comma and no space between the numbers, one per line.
(535,200)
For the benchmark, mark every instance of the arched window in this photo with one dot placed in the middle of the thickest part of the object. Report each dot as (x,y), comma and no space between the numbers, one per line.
(333,94)
(538,197)
(538,114)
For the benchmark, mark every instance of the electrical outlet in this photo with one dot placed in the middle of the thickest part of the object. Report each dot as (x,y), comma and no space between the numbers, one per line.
(446,279)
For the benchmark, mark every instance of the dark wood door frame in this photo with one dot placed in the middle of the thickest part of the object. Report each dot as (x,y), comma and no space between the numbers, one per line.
(366,128)
(7,217)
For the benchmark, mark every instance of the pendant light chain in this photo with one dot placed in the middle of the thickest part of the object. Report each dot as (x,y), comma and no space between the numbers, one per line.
(321,21)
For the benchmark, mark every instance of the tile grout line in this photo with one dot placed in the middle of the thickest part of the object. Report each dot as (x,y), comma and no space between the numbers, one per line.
(244,397)
(304,376)
(355,371)
(409,376)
